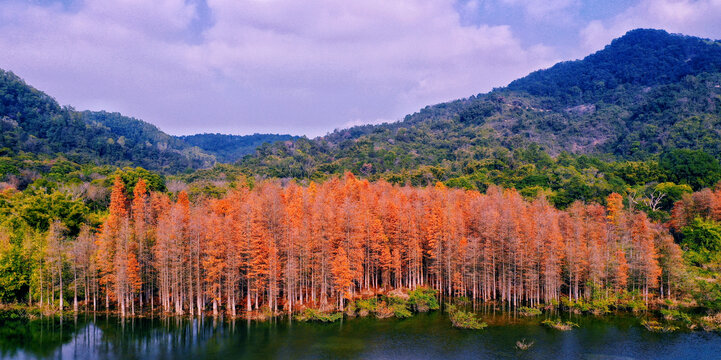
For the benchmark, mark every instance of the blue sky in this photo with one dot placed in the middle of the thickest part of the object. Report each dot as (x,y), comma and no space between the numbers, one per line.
(306,67)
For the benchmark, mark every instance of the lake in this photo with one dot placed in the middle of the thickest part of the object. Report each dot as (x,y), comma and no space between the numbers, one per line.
(424,336)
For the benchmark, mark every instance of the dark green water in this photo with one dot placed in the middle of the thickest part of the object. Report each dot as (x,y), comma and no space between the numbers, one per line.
(424,336)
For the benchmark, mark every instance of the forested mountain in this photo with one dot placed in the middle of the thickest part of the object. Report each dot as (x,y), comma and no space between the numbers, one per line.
(630,116)
(646,93)
(231,148)
(33,122)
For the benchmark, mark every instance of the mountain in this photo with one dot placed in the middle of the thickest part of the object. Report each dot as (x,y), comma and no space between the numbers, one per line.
(640,58)
(645,94)
(579,129)
(33,122)
(231,148)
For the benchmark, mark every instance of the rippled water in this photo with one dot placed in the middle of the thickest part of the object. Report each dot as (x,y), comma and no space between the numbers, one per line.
(424,336)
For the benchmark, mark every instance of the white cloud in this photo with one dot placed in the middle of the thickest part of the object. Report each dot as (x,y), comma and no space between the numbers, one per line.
(700,18)
(544,9)
(261,65)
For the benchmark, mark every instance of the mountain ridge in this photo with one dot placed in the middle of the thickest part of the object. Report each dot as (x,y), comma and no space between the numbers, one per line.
(615,115)
(32,121)
(645,93)
(229,148)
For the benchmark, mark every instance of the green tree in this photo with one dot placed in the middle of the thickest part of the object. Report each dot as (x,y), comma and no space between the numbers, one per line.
(15,268)
(130,177)
(702,238)
(670,193)
(693,167)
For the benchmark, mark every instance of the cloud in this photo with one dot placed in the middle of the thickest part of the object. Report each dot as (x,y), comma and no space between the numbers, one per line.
(699,18)
(259,65)
(545,9)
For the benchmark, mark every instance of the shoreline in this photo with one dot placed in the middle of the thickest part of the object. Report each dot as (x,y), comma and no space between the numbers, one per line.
(654,319)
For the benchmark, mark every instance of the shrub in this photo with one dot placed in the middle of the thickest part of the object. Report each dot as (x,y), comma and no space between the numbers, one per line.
(366,306)
(528,311)
(401,311)
(637,305)
(464,319)
(676,315)
(711,322)
(13,314)
(350,309)
(389,306)
(383,311)
(423,299)
(461,300)
(309,314)
(596,306)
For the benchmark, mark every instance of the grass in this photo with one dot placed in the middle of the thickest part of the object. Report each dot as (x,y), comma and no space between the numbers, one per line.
(655,326)
(558,324)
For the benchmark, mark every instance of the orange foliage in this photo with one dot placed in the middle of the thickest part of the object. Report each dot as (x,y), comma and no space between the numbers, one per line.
(282,246)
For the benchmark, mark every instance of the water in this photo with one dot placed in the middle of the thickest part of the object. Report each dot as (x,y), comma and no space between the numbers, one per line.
(424,336)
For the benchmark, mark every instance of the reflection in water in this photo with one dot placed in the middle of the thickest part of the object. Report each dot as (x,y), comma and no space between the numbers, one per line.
(422,336)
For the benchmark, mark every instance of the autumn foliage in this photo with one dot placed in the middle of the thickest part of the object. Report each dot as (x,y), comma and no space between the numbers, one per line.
(281,246)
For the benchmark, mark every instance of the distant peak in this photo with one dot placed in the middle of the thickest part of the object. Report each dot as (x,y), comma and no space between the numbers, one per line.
(641,57)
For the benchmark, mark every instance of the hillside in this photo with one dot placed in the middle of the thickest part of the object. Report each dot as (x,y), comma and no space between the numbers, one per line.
(33,122)
(645,94)
(578,130)
(231,148)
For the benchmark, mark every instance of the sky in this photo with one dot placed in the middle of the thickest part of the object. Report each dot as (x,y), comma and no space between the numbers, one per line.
(306,67)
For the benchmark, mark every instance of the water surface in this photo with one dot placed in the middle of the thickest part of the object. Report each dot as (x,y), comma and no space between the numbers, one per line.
(424,336)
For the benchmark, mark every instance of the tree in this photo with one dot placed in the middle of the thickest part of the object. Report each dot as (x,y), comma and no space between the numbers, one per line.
(281,246)
(646,264)
(83,251)
(342,275)
(671,193)
(693,167)
(703,238)
(140,214)
(614,205)
(56,259)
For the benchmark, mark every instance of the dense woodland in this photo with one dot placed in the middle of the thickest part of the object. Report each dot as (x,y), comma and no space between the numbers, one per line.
(285,246)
